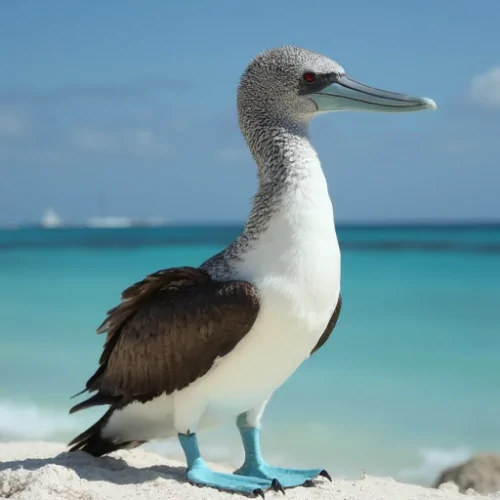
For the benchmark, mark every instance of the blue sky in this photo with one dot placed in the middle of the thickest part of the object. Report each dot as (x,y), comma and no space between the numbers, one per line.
(128,107)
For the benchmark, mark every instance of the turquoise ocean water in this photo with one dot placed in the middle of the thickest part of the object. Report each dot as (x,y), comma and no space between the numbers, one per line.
(408,384)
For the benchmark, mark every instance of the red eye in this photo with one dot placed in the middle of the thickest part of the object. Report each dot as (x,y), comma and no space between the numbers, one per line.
(309,77)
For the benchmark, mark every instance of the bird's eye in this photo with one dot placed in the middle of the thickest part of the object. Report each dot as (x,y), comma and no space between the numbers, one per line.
(309,77)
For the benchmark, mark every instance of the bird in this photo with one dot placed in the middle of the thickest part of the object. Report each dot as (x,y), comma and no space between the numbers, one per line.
(189,348)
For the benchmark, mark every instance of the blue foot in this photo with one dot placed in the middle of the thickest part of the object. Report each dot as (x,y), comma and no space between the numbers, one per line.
(255,466)
(288,478)
(200,474)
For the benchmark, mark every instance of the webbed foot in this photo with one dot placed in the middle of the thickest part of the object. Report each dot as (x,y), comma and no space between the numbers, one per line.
(287,478)
(255,466)
(200,474)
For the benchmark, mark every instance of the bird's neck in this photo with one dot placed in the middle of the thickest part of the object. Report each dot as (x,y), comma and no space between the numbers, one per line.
(279,148)
(291,180)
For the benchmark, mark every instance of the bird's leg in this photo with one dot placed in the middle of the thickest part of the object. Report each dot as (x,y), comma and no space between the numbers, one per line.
(200,474)
(255,466)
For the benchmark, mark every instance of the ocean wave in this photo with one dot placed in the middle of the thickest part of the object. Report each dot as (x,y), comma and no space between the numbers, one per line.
(431,462)
(27,421)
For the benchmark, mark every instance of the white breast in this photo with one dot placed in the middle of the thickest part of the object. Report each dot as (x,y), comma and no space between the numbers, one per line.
(296,262)
(296,267)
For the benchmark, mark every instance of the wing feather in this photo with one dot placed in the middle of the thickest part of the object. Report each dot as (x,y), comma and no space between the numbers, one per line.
(167,332)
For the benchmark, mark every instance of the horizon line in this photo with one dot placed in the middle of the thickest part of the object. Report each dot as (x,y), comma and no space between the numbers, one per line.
(472,223)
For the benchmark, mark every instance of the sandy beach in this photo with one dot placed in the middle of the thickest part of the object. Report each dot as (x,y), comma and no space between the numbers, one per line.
(44,471)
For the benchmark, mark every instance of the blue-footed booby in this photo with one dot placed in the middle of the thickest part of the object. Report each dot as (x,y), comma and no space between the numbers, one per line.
(189,348)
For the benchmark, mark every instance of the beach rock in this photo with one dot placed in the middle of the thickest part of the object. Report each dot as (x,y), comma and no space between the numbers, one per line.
(481,473)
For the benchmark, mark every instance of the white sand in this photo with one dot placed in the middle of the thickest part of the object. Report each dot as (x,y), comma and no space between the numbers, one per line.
(42,471)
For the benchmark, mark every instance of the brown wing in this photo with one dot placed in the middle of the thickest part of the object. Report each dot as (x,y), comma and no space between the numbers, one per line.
(330,326)
(167,332)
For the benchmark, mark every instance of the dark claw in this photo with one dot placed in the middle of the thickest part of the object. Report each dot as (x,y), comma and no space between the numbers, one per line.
(258,492)
(325,474)
(308,483)
(276,485)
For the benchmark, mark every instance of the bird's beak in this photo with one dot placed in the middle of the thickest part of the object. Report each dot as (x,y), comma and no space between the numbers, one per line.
(348,95)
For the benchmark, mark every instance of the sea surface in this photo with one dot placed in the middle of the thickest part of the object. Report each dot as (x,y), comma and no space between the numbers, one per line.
(408,383)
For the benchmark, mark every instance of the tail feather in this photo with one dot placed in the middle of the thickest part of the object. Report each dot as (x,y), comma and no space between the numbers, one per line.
(78,393)
(91,440)
(95,400)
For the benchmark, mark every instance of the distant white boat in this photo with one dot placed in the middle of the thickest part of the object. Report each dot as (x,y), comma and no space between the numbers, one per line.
(50,219)
(120,222)
(109,222)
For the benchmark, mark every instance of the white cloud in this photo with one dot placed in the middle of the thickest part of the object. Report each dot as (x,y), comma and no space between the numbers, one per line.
(485,88)
(96,91)
(11,125)
(138,141)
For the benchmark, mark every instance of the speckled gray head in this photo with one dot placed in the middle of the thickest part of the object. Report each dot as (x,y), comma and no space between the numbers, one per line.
(294,83)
